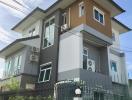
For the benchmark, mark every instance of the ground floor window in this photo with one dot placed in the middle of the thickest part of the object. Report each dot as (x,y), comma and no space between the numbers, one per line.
(45,73)
(98,96)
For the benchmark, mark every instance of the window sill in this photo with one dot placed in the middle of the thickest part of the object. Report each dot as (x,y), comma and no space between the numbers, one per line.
(99,21)
(47,47)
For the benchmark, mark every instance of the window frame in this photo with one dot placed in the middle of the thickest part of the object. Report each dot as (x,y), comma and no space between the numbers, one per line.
(32,31)
(113,36)
(64,19)
(81,12)
(112,61)
(8,67)
(18,65)
(44,30)
(85,48)
(45,69)
(100,12)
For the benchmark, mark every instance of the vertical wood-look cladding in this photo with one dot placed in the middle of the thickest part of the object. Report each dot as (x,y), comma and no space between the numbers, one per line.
(88,17)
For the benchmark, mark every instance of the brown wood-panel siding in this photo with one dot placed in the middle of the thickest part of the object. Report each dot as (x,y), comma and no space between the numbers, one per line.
(75,19)
(88,17)
(106,29)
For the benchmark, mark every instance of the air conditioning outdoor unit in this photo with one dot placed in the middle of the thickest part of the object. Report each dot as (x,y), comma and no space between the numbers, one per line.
(34,49)
(91,65)
(64,27)
(34,58)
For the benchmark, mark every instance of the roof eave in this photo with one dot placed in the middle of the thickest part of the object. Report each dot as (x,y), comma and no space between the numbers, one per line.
(15,42)
(117,6)
(36,9)
(127,29)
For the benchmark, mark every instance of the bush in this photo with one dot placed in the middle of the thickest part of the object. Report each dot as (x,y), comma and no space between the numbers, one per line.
(30,98)
(13,85)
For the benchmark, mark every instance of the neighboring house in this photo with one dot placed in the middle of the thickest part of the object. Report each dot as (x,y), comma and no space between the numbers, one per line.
(130,88)
(19,63)
(79,41)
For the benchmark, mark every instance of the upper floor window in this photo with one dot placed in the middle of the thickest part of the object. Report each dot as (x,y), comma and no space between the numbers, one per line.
(64,18)
(81,9)
(8,68)
(98,15)
(114,66)
(17,64)
(113,37)
(45,73)
(32,32)
(85,58)
(49,30)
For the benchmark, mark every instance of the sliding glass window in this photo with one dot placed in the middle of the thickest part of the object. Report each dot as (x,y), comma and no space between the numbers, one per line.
(49,29)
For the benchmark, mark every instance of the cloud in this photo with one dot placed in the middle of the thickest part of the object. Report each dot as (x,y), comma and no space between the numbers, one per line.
(5,37)
(17,8)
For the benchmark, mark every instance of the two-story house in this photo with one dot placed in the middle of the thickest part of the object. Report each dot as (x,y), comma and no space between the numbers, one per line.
(79,40)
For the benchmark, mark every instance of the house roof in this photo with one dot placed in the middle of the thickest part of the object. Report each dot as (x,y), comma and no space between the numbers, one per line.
(34,16)
(16,45)
(120,26)
(39,13)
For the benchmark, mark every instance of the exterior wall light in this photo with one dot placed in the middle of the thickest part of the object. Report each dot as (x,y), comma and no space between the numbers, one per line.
(78,92)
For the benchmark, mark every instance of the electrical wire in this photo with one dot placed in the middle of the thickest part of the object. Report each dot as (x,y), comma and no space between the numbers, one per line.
(55,25)
(20,4)
(13,7)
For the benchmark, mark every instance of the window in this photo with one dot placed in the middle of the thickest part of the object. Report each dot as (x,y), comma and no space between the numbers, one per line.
(99,15)
(81,9)
(85,57)
(45,72)
(98,96)
(32,32)
(64,18)
(49,33)
(8,68)
(113,66)
(113,36)
(17,64)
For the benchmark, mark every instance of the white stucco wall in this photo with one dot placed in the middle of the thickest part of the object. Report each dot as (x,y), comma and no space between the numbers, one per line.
(121,75)
(116,43)
(37,26)
(70,51)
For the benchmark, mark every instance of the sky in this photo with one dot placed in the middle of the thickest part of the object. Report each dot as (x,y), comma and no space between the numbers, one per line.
(12,11)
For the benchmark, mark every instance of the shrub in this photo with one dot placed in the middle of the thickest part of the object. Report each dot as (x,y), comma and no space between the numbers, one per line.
(30,98)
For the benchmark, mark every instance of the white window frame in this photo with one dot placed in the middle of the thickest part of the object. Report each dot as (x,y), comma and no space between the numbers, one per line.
(32,31)
(18,66)
(8,72)
(113,36)
(81,12)
(44,65)
(64,18)
(101,12)
(85,48)
(44,33)
(111,66)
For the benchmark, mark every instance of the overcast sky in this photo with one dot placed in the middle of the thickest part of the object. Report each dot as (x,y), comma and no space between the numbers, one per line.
(12,11)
